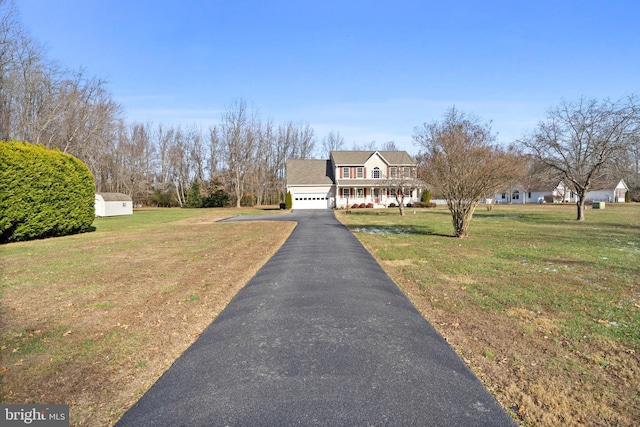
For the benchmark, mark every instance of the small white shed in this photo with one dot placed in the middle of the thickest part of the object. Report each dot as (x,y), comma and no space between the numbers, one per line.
(113,204)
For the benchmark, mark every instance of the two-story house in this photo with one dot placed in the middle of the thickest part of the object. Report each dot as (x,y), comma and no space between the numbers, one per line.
(353,177)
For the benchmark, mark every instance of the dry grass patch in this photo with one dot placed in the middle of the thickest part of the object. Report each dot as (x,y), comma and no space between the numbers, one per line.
(93,320)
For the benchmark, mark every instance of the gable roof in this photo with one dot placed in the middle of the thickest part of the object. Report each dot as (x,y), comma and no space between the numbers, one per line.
(114,197)
(540,184)
(360,157)
(309,172)
(550,184)
(608,184)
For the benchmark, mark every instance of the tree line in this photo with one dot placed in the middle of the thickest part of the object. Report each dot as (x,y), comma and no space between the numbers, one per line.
(44,103)
(241,160)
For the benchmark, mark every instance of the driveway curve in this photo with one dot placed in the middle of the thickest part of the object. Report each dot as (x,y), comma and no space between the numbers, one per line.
(319,336)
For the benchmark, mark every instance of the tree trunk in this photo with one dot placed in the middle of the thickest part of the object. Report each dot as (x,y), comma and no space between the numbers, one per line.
(461,219)
(400,202)
(580,206)
(239,188)
(178,193)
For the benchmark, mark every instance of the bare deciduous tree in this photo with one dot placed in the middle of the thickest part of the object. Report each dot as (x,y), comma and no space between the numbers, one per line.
(332,142)
(633,160)
(42,103)
(464,163)
(239,140)
(364,147)
(402,182)
(196,153)
(214,152)
(579,139)
(305,142)
(9,34)
(390,146)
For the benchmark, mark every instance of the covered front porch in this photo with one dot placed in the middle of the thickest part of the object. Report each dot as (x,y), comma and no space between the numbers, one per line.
(376,197)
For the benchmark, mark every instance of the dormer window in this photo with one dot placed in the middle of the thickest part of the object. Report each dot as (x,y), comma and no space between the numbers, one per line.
(376,173)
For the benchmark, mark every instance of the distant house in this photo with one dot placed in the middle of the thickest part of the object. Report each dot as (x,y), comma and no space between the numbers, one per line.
(113,204)
(557,192)
(536,192)
(352,177)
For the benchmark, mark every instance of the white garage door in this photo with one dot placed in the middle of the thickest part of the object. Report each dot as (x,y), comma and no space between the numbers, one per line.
(311,201)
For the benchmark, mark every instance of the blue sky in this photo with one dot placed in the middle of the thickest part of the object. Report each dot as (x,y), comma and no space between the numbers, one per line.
(371,70)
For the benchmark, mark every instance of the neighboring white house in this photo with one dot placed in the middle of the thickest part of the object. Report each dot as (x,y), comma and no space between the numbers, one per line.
(352,177)
(608,191)
(113,204)
(604,191)
(536,193)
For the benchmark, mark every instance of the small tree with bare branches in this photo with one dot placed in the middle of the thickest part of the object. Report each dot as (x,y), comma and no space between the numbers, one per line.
(401,183)
(464,163)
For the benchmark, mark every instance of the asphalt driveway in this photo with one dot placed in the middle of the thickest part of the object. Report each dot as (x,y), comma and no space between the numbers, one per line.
(319,336)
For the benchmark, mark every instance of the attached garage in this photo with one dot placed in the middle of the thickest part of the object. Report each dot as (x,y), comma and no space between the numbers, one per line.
(310,183)
(311,201)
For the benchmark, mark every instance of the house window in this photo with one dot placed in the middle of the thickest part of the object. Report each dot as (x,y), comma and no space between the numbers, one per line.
(360,192)
(504,195)
(393,172)
(360,173)
(376,173)
(529,194)
(515,195)
(392,192)
(346,193)
(345,172)
(406,172)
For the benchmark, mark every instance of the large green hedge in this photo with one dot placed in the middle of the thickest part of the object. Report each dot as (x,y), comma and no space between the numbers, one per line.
(43,193)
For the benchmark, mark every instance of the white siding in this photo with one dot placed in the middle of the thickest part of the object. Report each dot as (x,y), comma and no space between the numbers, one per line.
(112,208)
(600,196)
(373,162)
(311,197)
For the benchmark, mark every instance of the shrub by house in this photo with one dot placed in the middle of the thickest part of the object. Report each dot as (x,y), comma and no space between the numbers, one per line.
(43,193)
(288,203)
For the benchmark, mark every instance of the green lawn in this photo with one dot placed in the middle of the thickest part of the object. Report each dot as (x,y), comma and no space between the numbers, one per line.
(530,283)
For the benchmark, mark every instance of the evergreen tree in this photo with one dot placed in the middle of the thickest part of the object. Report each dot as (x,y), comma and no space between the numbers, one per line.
(288,201)
(193,197)
(426,196)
